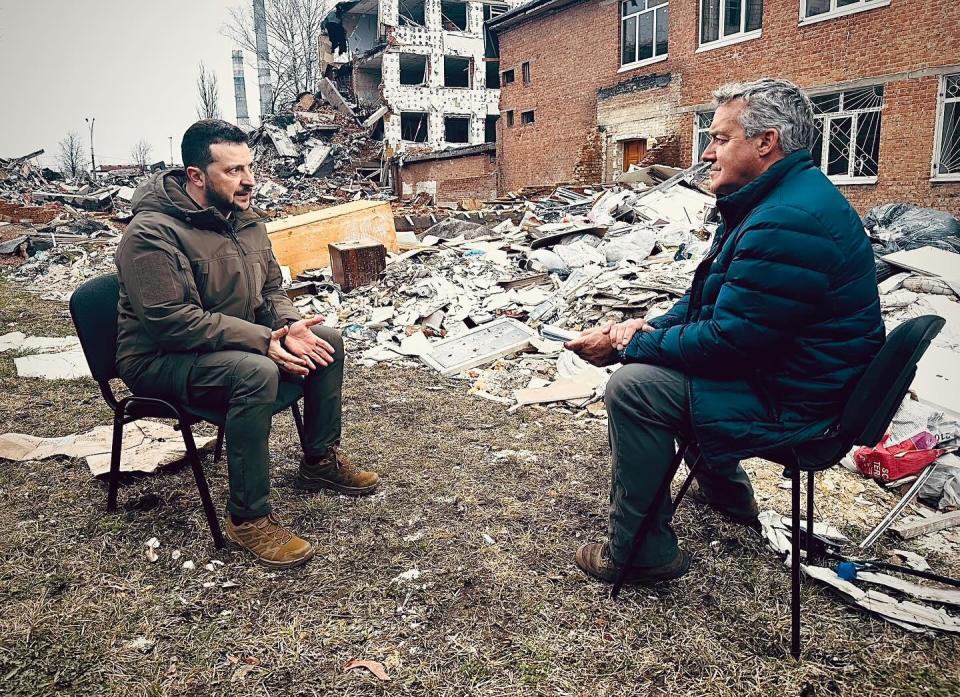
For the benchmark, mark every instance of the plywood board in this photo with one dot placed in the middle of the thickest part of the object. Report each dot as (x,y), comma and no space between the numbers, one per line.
(301,241)
(478,346)
(929,260)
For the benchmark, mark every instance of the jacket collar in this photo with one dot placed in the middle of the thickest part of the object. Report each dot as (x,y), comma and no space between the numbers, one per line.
(167,193)
(735,207)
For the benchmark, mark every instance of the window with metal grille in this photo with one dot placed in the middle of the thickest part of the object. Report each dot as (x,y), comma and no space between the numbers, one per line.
(721,20)
(701,139)
(946,154)
(643,30)
(824,9)
(847,142)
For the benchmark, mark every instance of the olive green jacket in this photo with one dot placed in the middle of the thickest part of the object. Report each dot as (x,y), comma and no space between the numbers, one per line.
(192,280)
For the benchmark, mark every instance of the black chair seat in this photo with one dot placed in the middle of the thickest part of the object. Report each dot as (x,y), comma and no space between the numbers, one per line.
(813,455)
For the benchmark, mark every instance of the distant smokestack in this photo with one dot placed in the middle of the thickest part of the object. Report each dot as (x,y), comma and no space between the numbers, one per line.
(263,58)
(240,89)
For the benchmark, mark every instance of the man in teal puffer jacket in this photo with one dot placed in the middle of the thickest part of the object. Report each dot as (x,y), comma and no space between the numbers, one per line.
(781,319)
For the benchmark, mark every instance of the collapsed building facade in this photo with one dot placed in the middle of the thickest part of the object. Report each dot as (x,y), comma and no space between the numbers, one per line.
(428,68)
(884,77)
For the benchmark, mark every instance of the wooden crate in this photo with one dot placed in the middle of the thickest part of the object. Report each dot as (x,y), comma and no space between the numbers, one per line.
(356,264)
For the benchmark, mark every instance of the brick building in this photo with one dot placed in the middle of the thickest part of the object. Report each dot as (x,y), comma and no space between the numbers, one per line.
(449,176)
(590,86)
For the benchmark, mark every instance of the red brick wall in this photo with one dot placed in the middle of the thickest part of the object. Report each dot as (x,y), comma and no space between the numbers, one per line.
(456,178)
(575,52)
(16,213)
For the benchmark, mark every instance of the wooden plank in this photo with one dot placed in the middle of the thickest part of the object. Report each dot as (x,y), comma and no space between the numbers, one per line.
(929,260)
(909,530)
(302,241)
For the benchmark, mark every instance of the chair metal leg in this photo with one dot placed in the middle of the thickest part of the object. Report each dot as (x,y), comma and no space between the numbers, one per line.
(115,451)
(795,564)
(810,490)
(298,420)
(663,490)
(205,499)
(218,450)
(687,482)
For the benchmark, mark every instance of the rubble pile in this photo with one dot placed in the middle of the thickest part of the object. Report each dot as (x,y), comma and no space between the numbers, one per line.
(315,153)
(605,255)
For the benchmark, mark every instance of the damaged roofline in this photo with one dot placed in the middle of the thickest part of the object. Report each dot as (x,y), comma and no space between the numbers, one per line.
(527,11)
(451,153)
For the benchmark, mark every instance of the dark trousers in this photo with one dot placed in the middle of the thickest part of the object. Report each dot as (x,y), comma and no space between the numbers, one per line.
(244,385)
(647,409)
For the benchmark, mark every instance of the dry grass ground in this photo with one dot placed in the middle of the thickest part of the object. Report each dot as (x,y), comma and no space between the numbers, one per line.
(83,611)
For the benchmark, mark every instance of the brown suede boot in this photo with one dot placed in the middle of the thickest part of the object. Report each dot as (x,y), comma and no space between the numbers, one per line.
(335,472)
(270,542)
(594,558)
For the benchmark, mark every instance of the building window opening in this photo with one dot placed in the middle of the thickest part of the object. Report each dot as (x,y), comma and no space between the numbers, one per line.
(643,30)
(724,19)
(456,71)
(456,129)
(413,69)
(526,118)
(493,74)
(413,126)
(412,13)
(453,16)
(490,128)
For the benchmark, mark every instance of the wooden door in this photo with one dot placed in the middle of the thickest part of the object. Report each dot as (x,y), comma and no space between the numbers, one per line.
(633,152)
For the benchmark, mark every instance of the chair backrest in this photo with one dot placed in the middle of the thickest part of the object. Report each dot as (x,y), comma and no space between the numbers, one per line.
(93,308)
(884,384)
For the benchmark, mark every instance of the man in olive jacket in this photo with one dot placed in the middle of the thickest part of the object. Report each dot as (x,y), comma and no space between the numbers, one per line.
(203,320)
(781,319)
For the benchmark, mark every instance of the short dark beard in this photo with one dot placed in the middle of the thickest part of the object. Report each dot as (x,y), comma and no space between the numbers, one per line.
(219,201)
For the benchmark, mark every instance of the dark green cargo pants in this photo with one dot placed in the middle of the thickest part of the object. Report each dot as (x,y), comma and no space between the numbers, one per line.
(647,409)
(244,385)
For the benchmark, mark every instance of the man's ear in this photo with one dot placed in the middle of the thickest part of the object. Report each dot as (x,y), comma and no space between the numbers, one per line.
(768,141)
(196,176)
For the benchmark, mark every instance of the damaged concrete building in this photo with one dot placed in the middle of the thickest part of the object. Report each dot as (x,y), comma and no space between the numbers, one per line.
(632,85)
(427,68)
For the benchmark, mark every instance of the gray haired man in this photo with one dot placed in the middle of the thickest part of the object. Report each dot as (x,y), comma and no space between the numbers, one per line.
(781,319)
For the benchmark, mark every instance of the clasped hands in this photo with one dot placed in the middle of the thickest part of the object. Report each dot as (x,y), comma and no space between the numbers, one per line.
(296,349)
(602,345)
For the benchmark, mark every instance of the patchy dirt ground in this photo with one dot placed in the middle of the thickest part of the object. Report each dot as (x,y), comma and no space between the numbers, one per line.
(83,611)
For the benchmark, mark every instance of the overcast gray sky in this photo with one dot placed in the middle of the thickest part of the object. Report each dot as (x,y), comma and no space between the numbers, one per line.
(132,64)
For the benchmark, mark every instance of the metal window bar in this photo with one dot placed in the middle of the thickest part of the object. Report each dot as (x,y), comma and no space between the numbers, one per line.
(849,132)
(948,160)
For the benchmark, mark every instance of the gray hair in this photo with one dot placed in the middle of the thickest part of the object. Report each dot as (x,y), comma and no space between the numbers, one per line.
(777,104)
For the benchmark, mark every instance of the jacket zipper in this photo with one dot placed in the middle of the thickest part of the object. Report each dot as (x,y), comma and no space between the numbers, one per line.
(246,271)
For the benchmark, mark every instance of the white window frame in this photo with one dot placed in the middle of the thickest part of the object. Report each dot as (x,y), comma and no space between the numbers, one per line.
(734,38)
(636,15)
(942,101)
(834,11)
(823,123)
(697,130)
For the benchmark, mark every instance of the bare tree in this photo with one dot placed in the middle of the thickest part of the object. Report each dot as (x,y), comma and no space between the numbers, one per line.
(293,27)
(140,153)
(72,157)
(208,94)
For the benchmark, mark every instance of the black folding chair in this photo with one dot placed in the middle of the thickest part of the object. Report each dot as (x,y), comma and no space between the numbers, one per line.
(93,307)
(865,417)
